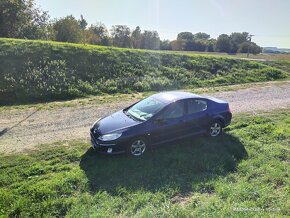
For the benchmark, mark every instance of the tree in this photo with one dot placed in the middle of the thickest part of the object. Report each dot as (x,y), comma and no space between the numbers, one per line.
(254,48)
(198,45)
(83,23)
(237,39)
(150,40)
(21,19)
(165,45)
(68,30)
(99,29)
(101,34)
(211,45)
(201,35)
(223,43)
(185,36)
(184,41)
(136,37)
(178,45)
(193,42)
(121,36)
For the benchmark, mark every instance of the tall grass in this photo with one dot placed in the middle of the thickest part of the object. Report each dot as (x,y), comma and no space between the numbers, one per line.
(38,70)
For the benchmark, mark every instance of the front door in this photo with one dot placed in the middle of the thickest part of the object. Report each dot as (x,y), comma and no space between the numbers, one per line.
(169,124)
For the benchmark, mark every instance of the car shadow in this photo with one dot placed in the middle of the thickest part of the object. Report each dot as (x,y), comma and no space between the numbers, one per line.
(185,165)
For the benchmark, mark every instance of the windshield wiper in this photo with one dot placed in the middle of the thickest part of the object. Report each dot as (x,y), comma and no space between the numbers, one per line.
(131,116)
(144,115)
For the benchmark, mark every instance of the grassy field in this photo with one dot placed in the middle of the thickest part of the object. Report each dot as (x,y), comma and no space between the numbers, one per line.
(41,71)
(261,57)
(244,173)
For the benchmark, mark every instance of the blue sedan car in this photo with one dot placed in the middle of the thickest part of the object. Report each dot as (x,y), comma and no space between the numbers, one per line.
(160,118)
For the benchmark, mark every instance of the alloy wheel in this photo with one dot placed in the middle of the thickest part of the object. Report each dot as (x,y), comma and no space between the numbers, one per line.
(215,129)
(138,147)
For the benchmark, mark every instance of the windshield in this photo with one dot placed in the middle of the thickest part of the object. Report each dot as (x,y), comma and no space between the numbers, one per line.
(145,109)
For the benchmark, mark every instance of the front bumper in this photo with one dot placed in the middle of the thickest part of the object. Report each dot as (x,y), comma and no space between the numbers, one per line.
(106,148)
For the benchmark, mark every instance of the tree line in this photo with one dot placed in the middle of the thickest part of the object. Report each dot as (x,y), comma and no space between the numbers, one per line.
(21,19)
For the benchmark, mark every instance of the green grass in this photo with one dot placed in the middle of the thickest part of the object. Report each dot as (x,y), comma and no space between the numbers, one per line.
(33,71)
(248,167)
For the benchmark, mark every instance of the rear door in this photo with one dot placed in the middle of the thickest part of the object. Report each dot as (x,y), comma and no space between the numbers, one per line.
(196,118)
(169,124)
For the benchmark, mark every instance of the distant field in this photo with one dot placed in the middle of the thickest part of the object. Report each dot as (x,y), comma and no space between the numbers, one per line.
(42,71)
(244,173)
(262,56)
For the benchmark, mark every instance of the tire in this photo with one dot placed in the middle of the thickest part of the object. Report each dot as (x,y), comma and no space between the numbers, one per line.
(215,128)
(137,147)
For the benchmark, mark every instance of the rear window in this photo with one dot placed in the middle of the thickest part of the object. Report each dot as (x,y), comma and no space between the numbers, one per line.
(196,105)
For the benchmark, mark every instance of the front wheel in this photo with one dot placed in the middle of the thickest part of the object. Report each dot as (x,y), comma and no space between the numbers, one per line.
(137,147)
(215,129)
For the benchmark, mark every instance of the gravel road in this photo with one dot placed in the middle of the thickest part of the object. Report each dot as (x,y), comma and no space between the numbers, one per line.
(22,130)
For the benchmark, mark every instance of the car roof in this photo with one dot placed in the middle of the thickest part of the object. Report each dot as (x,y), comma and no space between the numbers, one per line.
(172,96)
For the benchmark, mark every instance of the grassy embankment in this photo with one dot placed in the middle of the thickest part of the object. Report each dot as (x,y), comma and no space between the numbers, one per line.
(42,71)
(245,169)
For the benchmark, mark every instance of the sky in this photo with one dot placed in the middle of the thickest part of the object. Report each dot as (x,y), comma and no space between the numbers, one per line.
(267,20)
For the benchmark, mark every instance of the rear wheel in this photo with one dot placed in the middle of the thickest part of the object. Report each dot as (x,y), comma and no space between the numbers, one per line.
(215,128)
(137,147)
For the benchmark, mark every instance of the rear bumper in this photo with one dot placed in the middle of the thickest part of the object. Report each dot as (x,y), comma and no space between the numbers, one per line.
(227,118)
(227,122)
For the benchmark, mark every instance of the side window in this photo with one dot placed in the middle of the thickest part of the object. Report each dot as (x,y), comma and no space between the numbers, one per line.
(196,105)
(173,111)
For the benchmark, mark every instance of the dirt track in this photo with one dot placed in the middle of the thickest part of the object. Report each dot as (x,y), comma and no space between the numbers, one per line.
(21,130)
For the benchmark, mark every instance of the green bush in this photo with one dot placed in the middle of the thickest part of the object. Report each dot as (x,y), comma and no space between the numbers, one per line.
(38,70)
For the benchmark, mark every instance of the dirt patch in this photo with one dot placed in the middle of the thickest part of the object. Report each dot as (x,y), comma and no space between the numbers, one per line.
(182,199)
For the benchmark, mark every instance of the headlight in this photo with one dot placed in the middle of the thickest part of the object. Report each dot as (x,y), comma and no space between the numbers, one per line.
(110,137)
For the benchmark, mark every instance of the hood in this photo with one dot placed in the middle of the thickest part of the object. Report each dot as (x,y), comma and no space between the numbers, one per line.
(114,122)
